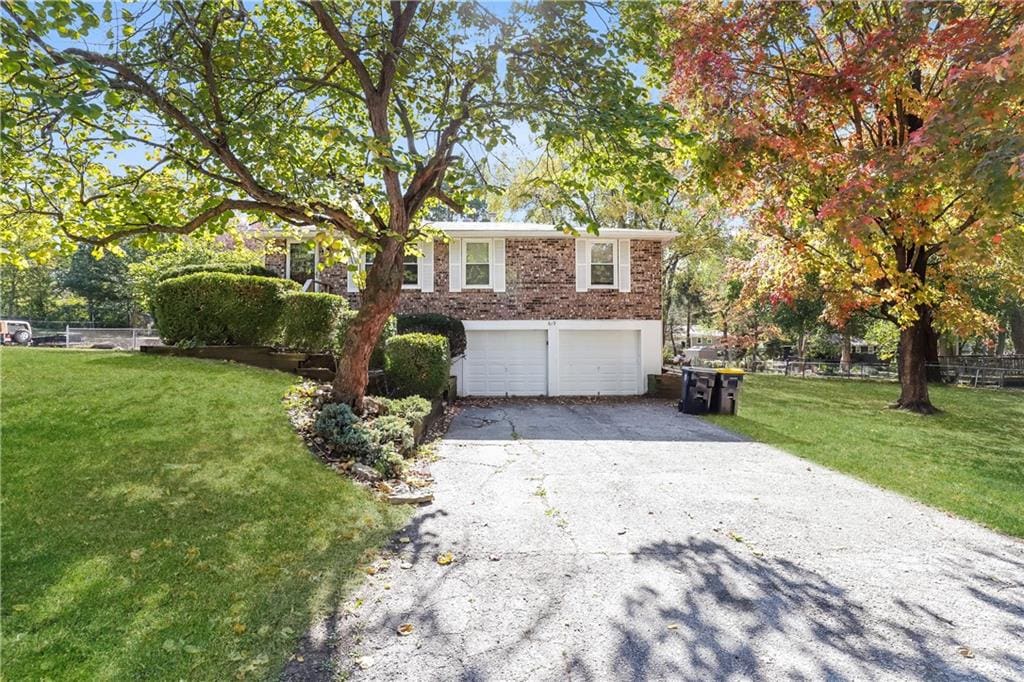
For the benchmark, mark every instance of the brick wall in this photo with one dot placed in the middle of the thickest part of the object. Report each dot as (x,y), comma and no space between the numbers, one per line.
(540,283)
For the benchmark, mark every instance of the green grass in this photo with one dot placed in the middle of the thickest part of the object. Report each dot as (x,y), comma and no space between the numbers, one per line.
(161,519)
(968,460)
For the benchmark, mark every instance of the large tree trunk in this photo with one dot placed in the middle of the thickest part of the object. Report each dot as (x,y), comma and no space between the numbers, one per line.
(931,355)
(378,301)
(913,366)
(846,354)
(1017,328)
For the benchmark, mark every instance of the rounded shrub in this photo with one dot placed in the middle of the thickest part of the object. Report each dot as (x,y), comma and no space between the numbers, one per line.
(310,321)
(435,323)
(417,364)
(218,308)
(229,268)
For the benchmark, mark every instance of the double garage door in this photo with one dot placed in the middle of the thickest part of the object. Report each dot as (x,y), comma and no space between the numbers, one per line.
(584,362)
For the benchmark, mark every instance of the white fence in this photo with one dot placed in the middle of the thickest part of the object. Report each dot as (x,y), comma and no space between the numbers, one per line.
(125,338)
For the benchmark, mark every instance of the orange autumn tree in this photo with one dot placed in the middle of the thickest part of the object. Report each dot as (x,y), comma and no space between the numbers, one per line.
(881,144)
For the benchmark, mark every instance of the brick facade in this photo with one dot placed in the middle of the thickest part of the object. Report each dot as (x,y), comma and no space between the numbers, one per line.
(540,284)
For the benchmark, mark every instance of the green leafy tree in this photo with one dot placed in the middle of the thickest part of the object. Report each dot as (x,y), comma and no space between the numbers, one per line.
(350,117)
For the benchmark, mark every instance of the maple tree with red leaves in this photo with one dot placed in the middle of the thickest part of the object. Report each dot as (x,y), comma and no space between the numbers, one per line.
(881,145)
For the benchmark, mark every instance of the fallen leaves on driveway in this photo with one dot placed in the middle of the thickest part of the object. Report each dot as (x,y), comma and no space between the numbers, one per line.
(445,558)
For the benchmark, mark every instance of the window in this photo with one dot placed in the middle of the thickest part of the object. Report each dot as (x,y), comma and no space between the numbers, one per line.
(478,264)
(602,264)
(411,271)
(301,263)
(368,260)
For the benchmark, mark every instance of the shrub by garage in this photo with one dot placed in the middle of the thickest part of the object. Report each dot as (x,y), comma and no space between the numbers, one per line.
(434,323)
(310,321)
(417,364)
(216,308)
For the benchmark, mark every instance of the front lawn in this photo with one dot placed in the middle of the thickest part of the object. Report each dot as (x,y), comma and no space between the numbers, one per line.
(161,520)
(968,460)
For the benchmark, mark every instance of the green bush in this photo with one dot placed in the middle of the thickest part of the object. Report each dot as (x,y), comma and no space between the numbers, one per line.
(228,268)
(218,308)
(377,358)
(333,420)
(417,364)
(394,430)
(310,322)
(434,323)
(380,443)
(412,409)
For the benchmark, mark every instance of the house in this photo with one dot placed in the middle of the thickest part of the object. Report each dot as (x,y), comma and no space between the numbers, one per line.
(546,313)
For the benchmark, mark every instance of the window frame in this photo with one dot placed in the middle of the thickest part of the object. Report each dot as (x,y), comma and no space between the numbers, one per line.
(419,264)
(465,263)
(614,264)
(288,262)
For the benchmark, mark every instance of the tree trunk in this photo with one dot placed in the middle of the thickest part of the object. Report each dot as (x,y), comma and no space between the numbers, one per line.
(377,302)
(1000,342)
(689,318)
(846,356)
(1017,328)
(933,371)
(913,370)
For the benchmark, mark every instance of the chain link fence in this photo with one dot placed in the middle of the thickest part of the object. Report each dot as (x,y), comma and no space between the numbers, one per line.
(111,338)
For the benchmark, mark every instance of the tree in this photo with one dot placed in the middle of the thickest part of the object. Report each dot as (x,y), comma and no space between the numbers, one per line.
(104,284)
(355,118)
(881,144)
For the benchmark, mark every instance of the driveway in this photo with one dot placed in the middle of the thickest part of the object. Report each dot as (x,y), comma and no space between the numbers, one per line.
(599,541)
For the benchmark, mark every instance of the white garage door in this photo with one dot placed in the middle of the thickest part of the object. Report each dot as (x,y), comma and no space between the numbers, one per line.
(506,363)
(598,362)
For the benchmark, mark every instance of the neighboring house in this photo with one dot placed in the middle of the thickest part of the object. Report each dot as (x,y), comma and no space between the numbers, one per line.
(545,313)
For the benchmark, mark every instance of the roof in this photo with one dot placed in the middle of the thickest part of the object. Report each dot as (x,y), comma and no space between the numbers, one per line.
(505,229)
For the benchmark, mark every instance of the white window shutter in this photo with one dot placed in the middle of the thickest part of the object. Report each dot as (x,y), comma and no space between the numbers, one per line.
(625,277)
(455,265)
(582,279)
(426,269)
(498,265)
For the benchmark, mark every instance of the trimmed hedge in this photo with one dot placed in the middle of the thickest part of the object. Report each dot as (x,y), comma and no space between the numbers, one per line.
(390,329)
(217,308)
(310,321)
(229,268)
(417,364)
(435,323)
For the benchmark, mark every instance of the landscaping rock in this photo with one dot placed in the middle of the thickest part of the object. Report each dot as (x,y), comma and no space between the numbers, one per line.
(411,498)
(365,473)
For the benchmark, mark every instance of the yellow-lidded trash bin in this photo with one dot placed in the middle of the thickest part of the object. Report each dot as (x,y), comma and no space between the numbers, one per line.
(726,396)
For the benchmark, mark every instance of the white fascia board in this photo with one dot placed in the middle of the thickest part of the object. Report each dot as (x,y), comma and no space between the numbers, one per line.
(491,230)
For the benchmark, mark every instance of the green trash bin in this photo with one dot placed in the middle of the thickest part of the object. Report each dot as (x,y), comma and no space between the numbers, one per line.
(698,385)
(725,397)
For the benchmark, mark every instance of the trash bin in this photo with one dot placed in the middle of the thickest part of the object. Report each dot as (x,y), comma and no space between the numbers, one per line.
(726,395)
(698,385)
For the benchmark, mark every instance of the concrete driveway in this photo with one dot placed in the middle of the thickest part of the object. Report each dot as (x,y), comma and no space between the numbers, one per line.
(626,541)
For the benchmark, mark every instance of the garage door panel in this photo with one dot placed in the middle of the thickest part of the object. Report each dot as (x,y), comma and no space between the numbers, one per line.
(599,362)
(500,363)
